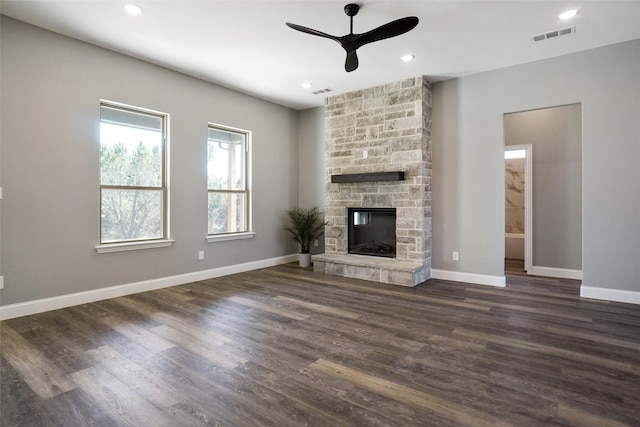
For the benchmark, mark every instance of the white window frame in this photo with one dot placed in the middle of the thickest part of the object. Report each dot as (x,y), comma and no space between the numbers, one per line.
(163,241)
(248,233)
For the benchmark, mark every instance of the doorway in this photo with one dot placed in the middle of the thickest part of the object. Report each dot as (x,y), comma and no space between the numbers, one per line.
(553,205)
(518,207)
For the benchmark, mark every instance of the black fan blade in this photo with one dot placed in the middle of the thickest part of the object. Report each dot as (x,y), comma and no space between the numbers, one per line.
(392,29)
(311,31)
(352,61)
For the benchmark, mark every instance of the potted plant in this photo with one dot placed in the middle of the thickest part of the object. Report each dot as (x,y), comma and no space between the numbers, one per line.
(306,226)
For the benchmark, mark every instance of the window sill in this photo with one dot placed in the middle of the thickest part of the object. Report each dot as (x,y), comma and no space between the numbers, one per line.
(133,246)
(231,236)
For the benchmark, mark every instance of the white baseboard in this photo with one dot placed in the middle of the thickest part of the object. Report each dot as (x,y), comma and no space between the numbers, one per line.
(618,295)
(62,301)
(562,273)
(478,279)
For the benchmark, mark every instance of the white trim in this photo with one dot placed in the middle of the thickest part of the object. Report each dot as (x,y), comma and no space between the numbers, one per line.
(230,236)
(478,279)
(248,187)
(133,246)
(62,301)
(617,295)
(562,273)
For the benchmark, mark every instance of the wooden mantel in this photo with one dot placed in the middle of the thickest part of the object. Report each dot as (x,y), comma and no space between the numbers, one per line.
(368,177)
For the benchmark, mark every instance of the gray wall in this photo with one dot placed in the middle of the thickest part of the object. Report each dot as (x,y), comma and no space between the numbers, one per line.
(468,160)
(1,97)
(468,142)
(311,150)
(556,138)
(311,165)
(51,88)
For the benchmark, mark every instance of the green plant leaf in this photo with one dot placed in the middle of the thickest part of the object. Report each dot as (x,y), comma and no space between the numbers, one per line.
(306,226)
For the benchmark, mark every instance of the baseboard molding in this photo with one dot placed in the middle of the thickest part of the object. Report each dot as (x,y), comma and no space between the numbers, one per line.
(617,295)
(562,273)
(63,301)
(478,279)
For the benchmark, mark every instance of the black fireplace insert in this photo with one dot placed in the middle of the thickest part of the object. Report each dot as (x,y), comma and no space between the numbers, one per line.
(372,231)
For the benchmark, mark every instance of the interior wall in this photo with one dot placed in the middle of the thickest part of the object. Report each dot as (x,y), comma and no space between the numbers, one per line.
(1,269)
(311,164)
(51,90)
(556,138)
(468,171)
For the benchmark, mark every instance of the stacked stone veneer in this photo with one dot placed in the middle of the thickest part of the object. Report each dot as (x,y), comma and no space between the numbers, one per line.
(380,129)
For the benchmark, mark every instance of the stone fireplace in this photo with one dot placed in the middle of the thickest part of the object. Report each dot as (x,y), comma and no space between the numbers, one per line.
(378,156)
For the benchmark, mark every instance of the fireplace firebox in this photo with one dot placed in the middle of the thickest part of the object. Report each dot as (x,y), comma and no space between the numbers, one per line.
(372,231)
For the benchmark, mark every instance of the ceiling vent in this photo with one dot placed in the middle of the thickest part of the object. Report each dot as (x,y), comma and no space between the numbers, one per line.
(554,33)
(319,91)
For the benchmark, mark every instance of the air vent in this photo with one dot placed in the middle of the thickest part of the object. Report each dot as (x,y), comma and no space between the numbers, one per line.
(554,33)
(319,91)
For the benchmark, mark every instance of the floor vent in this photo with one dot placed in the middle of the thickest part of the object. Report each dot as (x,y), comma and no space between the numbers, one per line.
(554,33)
(319,91)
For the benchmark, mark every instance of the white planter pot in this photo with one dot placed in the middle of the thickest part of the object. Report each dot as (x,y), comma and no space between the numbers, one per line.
(304,259)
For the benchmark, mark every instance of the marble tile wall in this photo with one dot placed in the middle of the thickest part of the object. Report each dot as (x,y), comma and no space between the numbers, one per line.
(514,194)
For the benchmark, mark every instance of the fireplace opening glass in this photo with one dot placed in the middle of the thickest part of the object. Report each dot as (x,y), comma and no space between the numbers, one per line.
(372,231)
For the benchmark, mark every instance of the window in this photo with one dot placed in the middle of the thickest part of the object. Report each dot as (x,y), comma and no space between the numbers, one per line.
(227,180)
(133,187)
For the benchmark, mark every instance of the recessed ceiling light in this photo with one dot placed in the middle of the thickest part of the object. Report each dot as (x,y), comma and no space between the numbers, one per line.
(306,85)
(568,14)
(408,58)
(133,9)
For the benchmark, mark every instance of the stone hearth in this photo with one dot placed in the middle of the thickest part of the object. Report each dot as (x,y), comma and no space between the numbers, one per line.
(376,130)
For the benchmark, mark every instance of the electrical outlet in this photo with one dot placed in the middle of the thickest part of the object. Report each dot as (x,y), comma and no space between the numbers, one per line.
(201,255)
(365,154)
(455,256)
(315,242)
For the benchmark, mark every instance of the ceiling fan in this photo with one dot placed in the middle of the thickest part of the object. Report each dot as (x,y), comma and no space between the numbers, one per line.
(351,42)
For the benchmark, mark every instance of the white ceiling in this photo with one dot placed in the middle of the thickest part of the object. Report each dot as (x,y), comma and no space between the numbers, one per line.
(245,45)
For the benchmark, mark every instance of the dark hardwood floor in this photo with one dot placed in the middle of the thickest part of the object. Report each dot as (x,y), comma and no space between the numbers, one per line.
(514,267)
(284,346)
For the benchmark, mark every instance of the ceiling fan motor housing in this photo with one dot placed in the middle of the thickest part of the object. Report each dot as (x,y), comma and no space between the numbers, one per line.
(352,9)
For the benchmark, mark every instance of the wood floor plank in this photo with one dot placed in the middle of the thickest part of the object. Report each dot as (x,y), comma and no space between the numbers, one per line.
(399,392)
(319,307)
(40,373)
(283,346)
(13,388)
(390,292)
(456,381)
(231,397)
(204,401)
(190,327)
(118,400)
(269,308)
(576,417)
(73,408)
(565,313)
(136,333)
(555,351)
(150,387)
(210,350)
